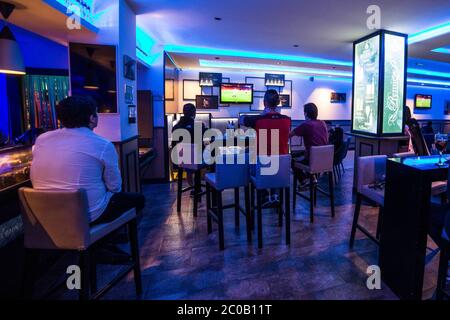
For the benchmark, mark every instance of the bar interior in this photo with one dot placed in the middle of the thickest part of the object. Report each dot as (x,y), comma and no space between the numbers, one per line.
(224,150)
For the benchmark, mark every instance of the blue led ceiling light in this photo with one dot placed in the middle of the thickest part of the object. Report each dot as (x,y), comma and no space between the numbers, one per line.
(257,55)
(429,73)
(429,33)
(429,81)
(445,50)
(268,67)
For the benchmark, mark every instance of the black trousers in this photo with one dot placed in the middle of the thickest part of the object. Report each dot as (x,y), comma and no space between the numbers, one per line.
(119,204)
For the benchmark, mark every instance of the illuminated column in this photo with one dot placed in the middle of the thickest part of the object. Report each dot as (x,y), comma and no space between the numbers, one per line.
(379,84)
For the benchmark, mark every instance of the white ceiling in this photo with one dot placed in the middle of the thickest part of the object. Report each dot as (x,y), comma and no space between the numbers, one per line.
(321,28)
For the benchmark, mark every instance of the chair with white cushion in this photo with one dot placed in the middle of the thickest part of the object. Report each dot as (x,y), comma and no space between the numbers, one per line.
(370,186)
(321,160)
(58,220)
(231,173)
(272,172)
(191,164)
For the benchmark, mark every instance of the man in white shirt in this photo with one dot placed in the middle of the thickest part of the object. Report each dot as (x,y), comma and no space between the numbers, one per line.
(76,158)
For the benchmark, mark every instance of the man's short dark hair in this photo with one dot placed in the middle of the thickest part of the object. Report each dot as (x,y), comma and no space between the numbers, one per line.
(75,111)
(189,110)
(272,98)
(311,111)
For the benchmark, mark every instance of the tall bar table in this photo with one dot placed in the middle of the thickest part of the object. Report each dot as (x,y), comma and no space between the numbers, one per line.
(403,239)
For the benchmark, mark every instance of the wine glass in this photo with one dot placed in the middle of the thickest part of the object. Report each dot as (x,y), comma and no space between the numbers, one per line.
(440,141)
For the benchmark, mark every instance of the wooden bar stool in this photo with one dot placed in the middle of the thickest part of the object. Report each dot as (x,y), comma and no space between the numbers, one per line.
(320,162)
(231,173)
(191,164)
(371,172)
(58,220)
(263,178)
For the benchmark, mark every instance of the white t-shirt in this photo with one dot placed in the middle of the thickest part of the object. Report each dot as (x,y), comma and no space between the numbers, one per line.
(72,159)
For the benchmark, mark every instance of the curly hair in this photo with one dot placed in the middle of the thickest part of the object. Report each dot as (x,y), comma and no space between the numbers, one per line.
(75,111)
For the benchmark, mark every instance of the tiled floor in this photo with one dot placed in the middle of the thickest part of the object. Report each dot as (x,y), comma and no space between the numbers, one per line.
(180,261)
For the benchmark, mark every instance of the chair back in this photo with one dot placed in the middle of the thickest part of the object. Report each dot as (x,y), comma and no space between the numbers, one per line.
(370,170)
(321,159)
(188,156)
(403,155)
(267,175)
(55,219)
(233,171)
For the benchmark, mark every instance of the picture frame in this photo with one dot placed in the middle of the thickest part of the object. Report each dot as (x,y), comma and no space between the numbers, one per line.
(447,107)
(207,102)
(129,94)
(132,113)
(129,68)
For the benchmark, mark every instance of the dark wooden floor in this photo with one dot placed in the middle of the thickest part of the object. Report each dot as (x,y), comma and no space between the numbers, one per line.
(180,261)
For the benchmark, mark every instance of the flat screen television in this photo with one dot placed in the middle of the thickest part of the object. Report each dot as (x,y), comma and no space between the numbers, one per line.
(236,93)
(338,97)
(93,73)
(422,101)
(207,102)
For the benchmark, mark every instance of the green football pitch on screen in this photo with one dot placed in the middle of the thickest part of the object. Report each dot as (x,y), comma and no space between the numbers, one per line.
(236,96)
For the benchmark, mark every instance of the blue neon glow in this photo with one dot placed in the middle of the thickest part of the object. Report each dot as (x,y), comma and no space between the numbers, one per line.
(87,19)
(257,55)
(429,81)
(268,67)
(144,46)
(429,73)
(429,33)
(445,50)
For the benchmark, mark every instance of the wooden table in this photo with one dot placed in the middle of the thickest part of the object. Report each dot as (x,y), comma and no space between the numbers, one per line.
(403,239)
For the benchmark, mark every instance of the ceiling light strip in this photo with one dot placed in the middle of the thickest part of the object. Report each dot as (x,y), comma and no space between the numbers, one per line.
(429,33)
(257,55)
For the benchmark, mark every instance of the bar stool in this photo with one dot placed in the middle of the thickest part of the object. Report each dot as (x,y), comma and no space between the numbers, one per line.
(232,175)
(263,180)
(371,171)
(320,162)
(438,188)
(58,220)
(193,165)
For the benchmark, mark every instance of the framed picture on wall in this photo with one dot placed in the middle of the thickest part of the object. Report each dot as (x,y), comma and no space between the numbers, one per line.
(447,107)
(285,101)
(129,67)
(205,102)
(129,96)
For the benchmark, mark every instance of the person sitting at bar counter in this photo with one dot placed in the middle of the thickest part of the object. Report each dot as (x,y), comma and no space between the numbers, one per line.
(76,158)
(187,122)
(314,133)
(269,120)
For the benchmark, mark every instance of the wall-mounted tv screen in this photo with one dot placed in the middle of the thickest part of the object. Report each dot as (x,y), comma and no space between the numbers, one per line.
(93,73)
(338,97)
(236,93)
(275,80)
(285,101)
(207,102)
(423,101)
(208,79)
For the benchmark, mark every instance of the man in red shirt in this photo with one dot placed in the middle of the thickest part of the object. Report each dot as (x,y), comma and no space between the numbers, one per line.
(314,133)
(265,123)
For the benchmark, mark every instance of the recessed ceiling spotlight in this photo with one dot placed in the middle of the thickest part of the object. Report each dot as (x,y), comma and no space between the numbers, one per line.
(296,46)
(422,84)
(217,58)
(419,64)
(218,18)
(278,63)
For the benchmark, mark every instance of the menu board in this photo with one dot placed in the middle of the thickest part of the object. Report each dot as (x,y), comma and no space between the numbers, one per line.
(394,83)
(366,85)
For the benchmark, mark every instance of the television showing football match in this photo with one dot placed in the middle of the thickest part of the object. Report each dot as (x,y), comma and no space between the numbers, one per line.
(423,101)
(236,93)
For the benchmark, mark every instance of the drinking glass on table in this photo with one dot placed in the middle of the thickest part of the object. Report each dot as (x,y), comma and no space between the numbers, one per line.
(440,141)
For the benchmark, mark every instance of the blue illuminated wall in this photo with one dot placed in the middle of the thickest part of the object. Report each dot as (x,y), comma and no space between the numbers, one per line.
(40,52)
(3,107)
